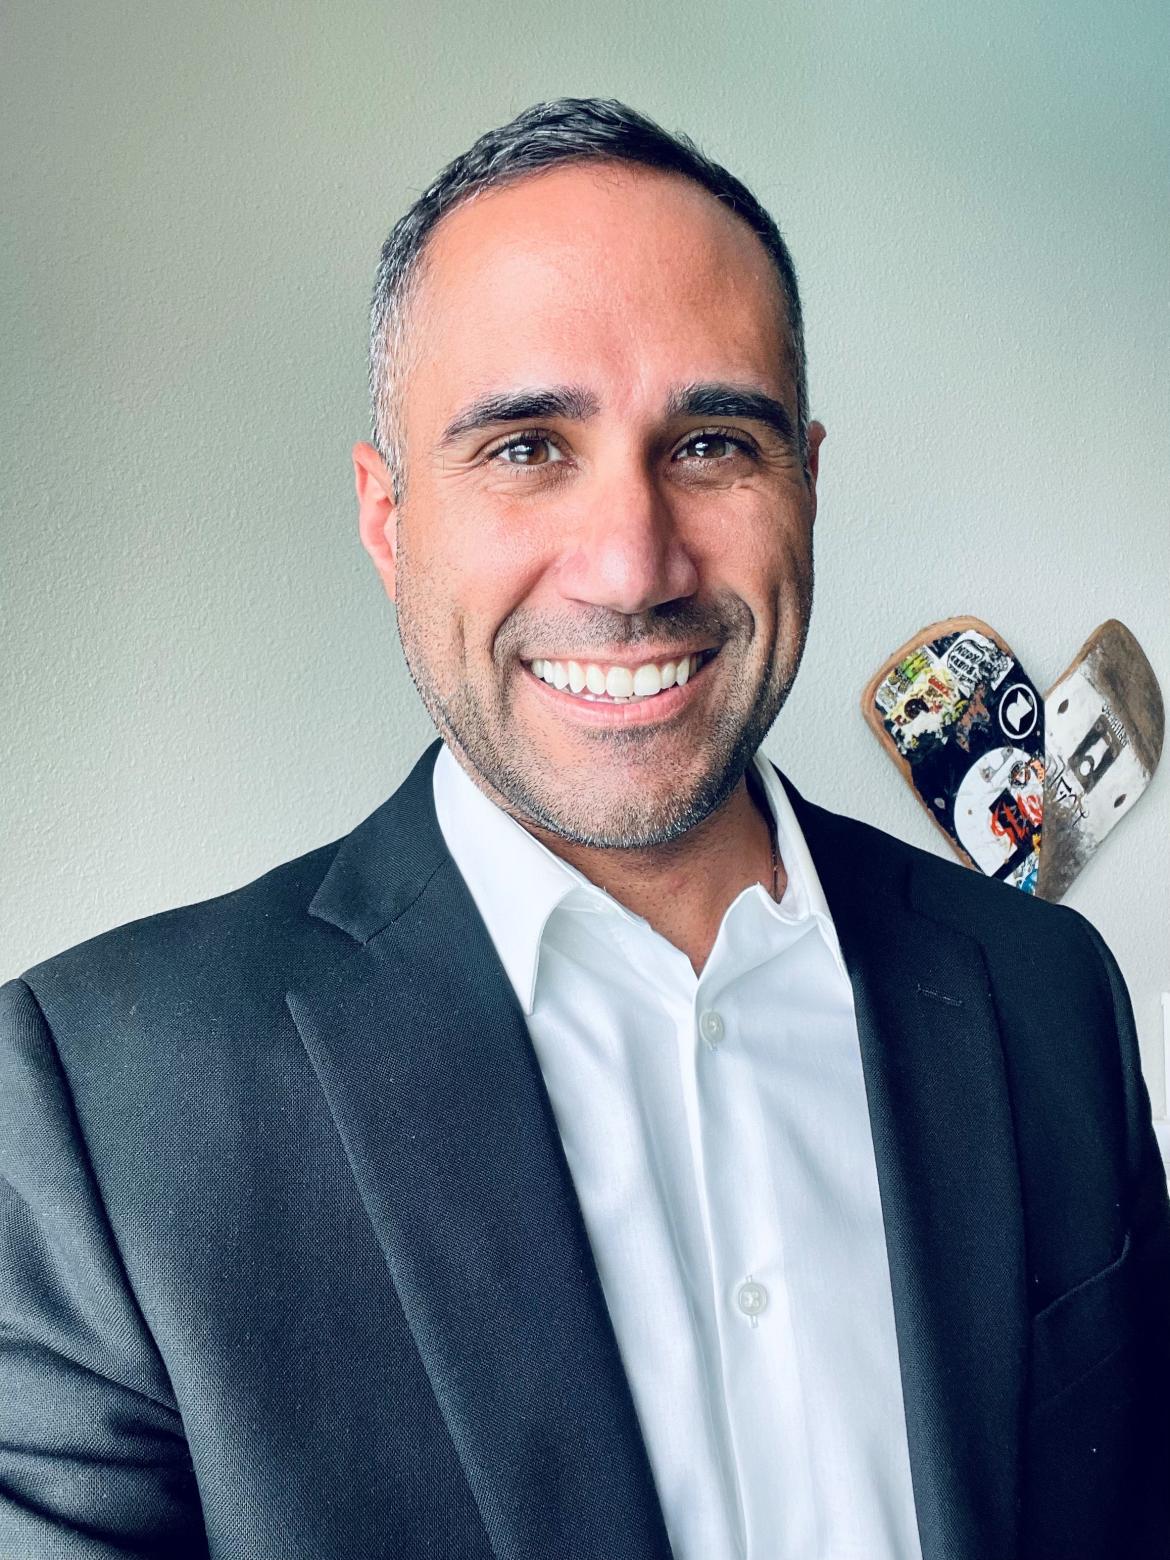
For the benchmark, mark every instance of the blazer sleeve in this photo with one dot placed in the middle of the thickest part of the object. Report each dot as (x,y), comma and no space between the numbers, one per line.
(1149,1226)
(1145,1171)
(93,1460)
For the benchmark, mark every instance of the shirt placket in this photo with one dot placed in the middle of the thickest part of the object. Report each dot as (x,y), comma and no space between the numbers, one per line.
(753,1326)
(669,976)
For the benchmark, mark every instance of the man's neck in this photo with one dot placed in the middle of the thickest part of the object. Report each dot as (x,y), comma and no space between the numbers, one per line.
(684,889)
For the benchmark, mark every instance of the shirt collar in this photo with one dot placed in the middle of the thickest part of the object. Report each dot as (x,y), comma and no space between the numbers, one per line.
(515,880)
(517,883)
(803,895)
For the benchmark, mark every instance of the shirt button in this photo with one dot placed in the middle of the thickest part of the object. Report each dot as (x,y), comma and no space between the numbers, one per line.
(711,1027)
(752,1298)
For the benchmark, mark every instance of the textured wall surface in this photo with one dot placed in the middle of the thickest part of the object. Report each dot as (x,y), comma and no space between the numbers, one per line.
(200,674)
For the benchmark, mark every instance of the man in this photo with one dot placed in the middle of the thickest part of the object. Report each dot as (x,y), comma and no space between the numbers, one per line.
(601,1151)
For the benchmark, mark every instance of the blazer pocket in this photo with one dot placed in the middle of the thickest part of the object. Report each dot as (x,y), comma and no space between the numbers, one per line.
(1079,1331)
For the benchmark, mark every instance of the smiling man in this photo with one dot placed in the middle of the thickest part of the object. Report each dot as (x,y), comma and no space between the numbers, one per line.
(602,547)
(601,1152)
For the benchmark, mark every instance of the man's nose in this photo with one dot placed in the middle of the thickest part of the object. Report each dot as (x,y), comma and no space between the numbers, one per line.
(629,554)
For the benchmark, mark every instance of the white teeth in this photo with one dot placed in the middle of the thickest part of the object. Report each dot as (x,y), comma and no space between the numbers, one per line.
(618,682)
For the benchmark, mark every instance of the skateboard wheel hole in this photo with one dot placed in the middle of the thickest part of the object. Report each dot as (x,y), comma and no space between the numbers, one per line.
(1062,706)
(1119,800)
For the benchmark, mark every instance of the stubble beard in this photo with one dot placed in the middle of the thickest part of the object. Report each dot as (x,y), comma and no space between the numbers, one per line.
(537,793)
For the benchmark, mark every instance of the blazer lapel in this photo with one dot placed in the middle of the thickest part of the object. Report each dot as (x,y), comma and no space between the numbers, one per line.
(425,1060)
(946,1161)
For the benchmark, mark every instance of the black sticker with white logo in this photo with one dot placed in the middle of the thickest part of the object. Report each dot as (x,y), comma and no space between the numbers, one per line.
(1019,710)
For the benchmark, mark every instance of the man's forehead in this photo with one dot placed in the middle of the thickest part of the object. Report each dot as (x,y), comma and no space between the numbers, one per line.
(626,281)
(602,214)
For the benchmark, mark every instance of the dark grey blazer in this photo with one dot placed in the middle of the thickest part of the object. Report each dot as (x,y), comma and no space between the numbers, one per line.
(291,1263)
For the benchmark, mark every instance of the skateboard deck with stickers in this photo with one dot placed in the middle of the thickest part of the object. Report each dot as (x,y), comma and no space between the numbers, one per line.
(964,723)
(1104,722)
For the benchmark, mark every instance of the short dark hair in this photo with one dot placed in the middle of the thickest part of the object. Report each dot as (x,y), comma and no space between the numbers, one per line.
(543,136)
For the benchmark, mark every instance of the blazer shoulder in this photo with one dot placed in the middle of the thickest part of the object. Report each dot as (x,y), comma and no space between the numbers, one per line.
(225,964)
(999,917)
(234,941)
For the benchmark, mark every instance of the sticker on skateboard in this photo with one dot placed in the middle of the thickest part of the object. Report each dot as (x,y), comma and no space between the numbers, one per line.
(964,723)
(1105,723)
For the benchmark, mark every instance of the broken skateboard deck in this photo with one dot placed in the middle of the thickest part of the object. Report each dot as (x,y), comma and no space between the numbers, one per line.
(1104,723)
(964,722)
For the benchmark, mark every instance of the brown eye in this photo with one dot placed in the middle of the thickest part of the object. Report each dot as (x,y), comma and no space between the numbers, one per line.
(710,446)
(530,450)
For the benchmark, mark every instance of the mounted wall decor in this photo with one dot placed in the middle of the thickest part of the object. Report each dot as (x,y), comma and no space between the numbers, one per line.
(1025,788)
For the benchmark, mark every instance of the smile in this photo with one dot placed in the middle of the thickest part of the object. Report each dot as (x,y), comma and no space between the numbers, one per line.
(595,684)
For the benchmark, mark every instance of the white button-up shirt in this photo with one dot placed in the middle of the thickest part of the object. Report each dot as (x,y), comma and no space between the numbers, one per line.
(718,1137)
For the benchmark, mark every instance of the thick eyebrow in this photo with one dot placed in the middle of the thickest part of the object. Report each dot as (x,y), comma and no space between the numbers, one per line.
(721,400)
(568,401)
(574,403)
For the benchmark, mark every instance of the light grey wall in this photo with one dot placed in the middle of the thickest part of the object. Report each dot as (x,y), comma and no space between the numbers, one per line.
(201,675)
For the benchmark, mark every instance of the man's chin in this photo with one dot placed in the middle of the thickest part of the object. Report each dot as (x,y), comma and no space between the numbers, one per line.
(635,790)
(628,833)
(628,811)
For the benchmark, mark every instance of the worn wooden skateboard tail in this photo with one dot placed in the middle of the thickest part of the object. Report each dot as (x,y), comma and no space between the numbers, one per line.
(1105,722)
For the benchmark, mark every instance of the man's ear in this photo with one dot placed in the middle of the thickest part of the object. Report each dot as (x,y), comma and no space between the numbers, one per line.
(816,437)
(377,513)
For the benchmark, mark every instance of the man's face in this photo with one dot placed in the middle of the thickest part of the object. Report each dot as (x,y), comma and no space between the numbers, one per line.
(602,478)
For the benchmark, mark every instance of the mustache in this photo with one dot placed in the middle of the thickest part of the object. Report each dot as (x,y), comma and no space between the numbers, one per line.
(680,623)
